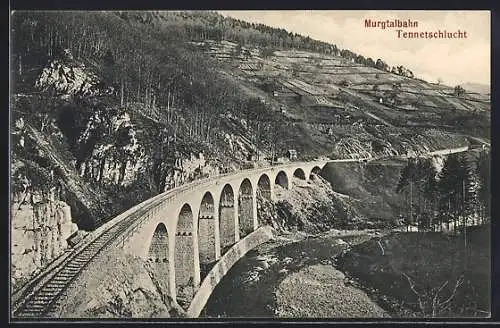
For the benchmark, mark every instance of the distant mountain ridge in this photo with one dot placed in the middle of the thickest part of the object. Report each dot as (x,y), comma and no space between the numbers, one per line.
(477,87)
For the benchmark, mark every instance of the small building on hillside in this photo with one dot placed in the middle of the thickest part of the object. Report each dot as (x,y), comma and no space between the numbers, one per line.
(345,83)
(291,154)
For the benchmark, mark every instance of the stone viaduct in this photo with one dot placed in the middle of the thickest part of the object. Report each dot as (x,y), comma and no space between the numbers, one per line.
(185,235)
(202,229)
(190,235)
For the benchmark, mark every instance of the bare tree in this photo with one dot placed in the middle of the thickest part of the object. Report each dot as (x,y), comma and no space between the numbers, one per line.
(432,301)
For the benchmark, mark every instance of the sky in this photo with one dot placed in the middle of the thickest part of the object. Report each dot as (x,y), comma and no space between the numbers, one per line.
(454,61)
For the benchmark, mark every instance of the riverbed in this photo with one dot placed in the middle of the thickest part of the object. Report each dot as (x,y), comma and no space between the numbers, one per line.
(293,276)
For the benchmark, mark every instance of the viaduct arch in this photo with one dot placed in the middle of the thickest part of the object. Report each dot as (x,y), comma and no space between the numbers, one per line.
(207,221)
(246,215)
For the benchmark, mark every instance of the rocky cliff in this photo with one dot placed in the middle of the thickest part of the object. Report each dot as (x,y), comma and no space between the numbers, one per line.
(310,207)
(78,160)
(40,228)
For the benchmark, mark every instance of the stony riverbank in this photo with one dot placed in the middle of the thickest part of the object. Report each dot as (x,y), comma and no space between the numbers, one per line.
(321,291)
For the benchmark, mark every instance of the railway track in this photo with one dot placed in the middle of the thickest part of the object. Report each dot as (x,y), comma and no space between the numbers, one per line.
(41,300)
(45,299)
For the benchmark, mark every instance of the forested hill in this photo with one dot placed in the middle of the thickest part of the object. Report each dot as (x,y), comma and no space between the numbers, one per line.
(199,26)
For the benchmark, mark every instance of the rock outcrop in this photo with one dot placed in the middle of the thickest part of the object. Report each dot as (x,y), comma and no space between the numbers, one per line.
(116,157)
(310,206)
(40,228)
(68,77)
(122,287)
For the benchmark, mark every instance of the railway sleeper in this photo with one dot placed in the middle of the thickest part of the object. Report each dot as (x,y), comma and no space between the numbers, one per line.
(66,273)
(42,302)
(29,313)
(74,266)
(80,261)
(29,306)
(66,277)
(55,284)
(85,256)
(45,293)
(62,280)
(33,308)
(54,289)
(70,270)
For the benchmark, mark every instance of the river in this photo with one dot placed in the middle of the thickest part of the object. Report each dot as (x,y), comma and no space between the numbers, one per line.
(291,274)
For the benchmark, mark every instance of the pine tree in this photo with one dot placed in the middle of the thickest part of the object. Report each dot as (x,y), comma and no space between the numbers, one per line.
(452,181)
(417,181)
(471,188)
(484,190)
(427,188)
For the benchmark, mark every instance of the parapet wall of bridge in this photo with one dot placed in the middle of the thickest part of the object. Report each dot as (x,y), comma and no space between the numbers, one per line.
(214,215)
(254,239)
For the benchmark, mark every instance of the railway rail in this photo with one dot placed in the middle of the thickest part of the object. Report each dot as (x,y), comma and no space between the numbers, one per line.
(45,298)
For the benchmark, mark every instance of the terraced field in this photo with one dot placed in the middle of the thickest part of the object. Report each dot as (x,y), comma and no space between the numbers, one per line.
(313,87)
(308,75)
